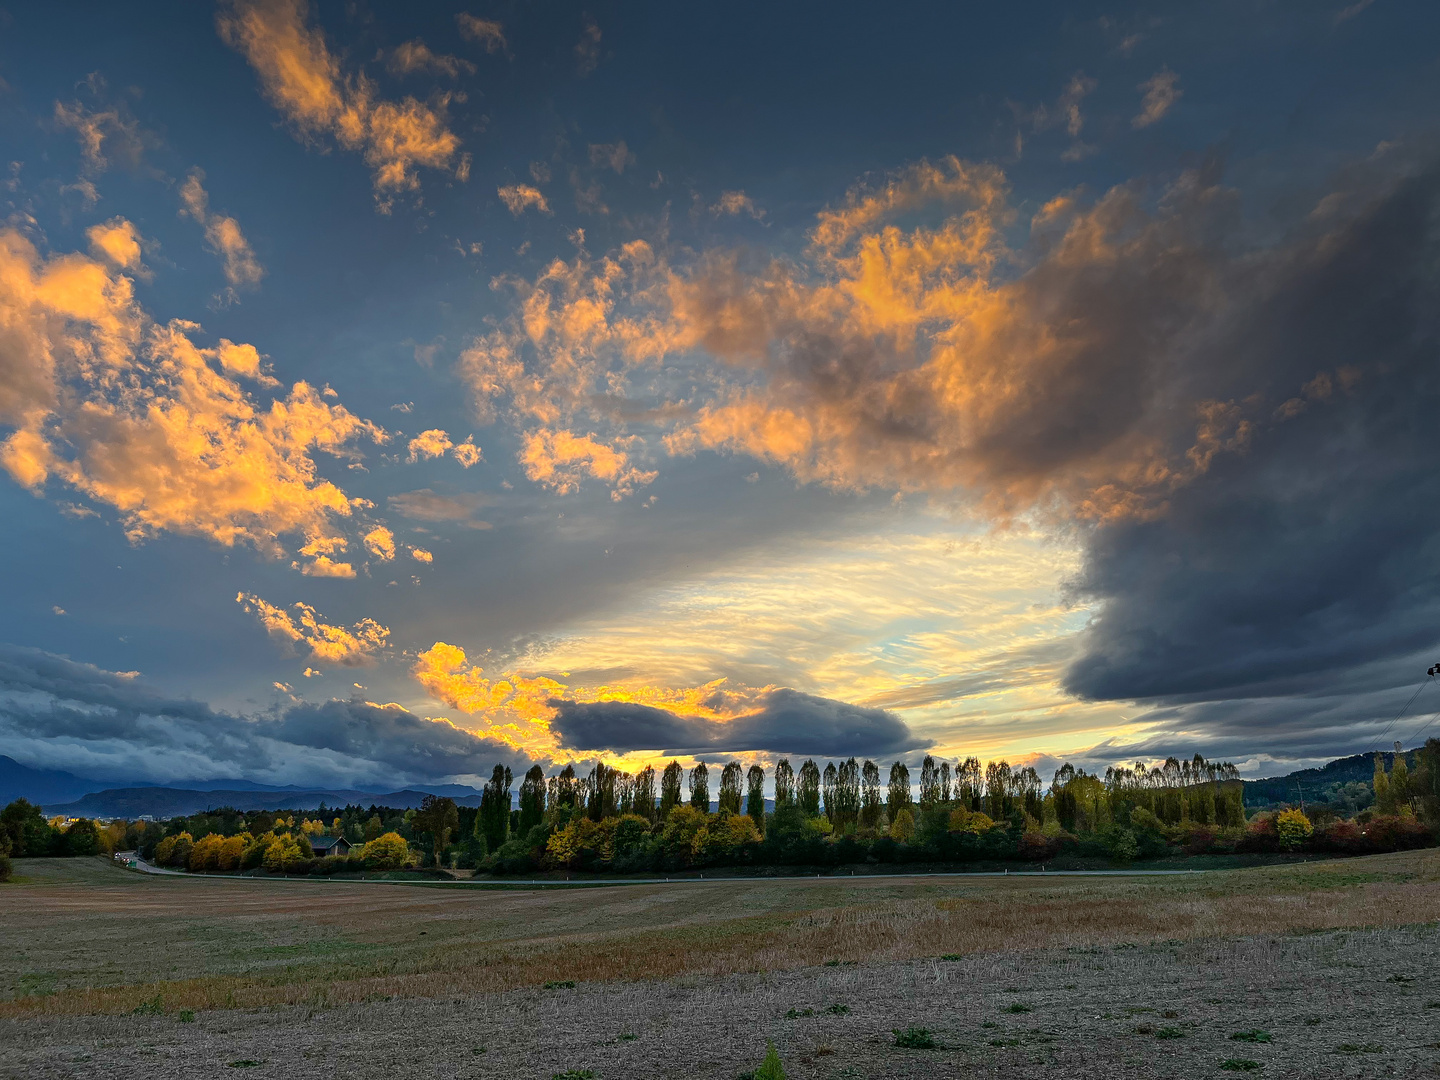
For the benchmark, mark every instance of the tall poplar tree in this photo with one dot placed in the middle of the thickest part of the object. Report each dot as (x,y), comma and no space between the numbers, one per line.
(532,799)
(847,794)
(899,789)
(700,788)
(929,783)
(755,796)
(784,784)
(870,801)
(730,788)
(644,797)
(494,816)
(827,786)
(809,792)
(670,784)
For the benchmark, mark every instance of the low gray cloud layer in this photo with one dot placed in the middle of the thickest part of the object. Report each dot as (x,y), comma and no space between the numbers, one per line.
(55,713)
(787,722)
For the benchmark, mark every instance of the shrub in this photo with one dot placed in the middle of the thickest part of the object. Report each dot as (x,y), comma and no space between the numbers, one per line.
(1239,1065)
(1260,835)
(1121,845)
(770,1068)
(915,1038)
(1254,1035)
(387,852)
(5,866)
(1293,828)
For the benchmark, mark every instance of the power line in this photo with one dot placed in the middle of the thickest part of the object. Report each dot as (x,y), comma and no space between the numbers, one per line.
(1430,677)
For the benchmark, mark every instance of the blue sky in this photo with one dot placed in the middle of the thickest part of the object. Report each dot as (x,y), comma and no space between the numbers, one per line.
(972,369)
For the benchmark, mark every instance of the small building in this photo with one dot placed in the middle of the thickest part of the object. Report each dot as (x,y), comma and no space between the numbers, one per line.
(329,845)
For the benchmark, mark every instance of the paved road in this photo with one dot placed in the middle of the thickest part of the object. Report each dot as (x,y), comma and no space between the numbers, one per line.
(133,861)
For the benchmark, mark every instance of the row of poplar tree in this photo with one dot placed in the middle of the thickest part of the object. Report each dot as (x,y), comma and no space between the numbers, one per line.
(852,795)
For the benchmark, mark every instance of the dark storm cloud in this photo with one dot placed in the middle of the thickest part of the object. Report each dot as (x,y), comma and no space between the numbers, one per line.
(55,713)
(787,722)
(1304,566)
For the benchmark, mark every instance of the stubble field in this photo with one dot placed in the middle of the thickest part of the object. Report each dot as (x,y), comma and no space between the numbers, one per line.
(1329,968)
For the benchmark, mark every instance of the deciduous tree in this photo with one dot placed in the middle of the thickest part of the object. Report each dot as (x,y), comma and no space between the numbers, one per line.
(755,796)
(784,784)
(808,794)
(899,791)
(730,788)
(670,784)
(700,788)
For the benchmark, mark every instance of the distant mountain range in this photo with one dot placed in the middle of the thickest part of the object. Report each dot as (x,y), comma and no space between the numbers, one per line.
(158,802)
(66,794)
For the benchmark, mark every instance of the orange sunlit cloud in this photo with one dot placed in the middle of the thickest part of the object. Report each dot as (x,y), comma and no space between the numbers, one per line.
(304,81)
(301,625)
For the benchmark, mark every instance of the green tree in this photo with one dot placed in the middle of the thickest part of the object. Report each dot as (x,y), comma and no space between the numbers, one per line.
(643,798)
(755,796)
(870,801)
(827,786)
(1427,782)
(438,818)
(730,788)
(601,790)
(532,800)
(82,838)
(670,783)
(899,789)
(29,833)
(1384,797)
(700,788)
(929,783)
(847,794)
(784,784)
(373,828)
(902,826)
(808,790)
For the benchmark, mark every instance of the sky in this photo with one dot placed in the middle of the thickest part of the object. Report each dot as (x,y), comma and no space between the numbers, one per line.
(388,391)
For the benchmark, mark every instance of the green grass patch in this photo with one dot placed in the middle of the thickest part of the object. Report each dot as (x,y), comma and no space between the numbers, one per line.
(1254,1035)
(1018,1007)
(560,984)
(915,1038)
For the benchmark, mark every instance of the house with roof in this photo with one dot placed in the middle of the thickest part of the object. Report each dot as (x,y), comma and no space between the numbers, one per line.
(329,845)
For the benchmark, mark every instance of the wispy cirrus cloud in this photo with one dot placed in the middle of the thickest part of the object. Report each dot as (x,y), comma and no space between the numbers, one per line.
(1162,90)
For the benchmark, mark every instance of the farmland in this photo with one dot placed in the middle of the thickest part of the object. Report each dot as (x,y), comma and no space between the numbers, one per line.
(1330,961)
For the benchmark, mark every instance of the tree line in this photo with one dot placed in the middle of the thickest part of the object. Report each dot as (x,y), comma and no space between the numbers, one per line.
(846,812)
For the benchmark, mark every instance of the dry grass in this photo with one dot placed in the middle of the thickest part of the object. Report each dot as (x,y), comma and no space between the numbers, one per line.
(84,938)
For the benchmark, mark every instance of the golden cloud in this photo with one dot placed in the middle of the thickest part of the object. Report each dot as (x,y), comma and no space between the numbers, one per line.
(117,241)
(353,647)
(222,234)
(521,197)
(560,460)
(380,542)
(136,415)
(304,81)
(429,444)
(931,357)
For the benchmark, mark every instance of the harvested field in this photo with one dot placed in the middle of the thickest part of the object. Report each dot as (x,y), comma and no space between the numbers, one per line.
(1335,961)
